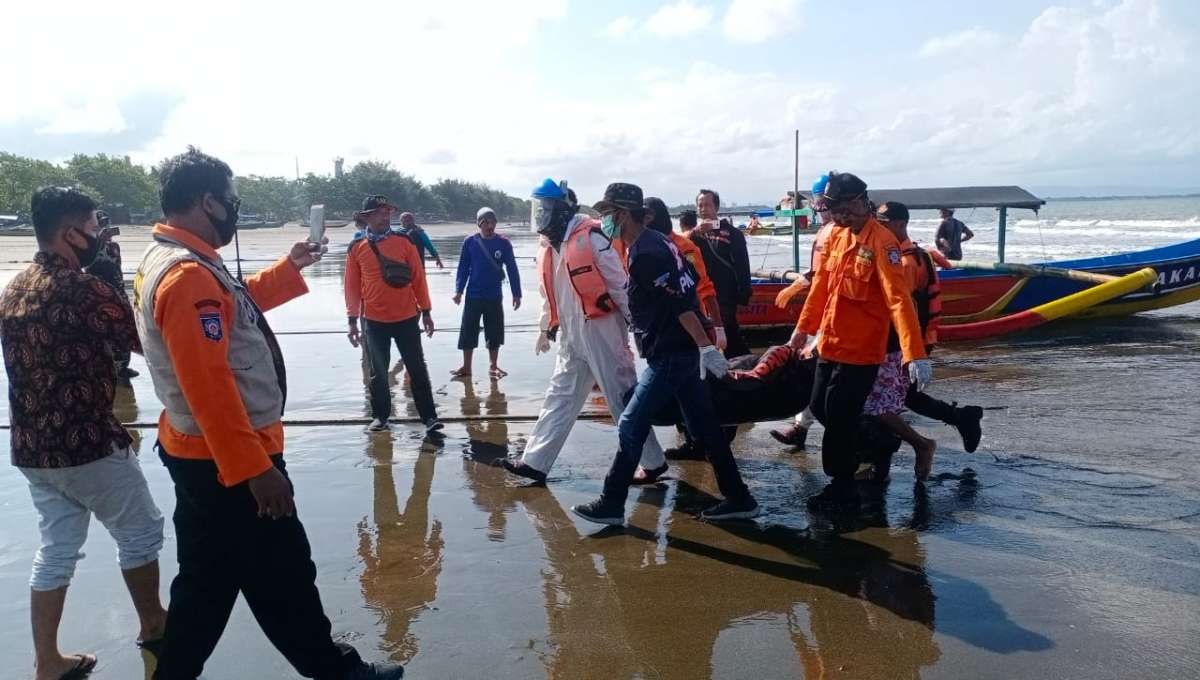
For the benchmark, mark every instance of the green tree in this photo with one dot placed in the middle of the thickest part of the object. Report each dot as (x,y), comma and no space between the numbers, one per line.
(274,198)
(20,177)
(119,181)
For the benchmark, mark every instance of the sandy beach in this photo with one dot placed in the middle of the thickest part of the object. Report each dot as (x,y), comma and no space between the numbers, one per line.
(1073,553)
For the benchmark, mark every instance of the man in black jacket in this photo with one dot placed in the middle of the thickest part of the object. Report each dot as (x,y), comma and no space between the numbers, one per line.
(725,256)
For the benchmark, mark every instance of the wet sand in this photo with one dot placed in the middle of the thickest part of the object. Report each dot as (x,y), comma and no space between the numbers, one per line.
(1074,554)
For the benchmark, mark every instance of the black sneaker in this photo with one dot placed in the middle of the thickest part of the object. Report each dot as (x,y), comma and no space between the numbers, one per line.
(793,436)
(601,511)
(744,508)
(967,420)
(375,671)
(520,469)
(433,426)
(127,373)
(689,451)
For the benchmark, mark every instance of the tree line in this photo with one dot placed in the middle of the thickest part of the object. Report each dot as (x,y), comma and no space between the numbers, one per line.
(130,191)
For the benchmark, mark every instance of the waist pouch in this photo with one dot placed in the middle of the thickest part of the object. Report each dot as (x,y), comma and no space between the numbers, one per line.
(395,274)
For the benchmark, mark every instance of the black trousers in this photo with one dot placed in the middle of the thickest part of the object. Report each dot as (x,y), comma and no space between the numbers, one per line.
(839,393)
(491,311)
(925,405)
(733,332)
(406,334)
(225,548)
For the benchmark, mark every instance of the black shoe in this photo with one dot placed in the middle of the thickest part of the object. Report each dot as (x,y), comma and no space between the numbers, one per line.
(744,508)
(127,373)
(689,451)
(520,469)
(433,425)
(644,476)
(793,436)
(375,671)
(601,511)
(967,421)
(835,496)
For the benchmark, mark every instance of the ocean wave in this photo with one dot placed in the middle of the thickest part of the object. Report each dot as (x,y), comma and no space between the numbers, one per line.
(1078,225)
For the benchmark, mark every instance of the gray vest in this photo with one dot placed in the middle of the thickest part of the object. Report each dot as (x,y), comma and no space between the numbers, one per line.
(254,355)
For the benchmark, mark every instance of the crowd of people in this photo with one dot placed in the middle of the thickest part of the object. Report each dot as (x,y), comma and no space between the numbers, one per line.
(856,359)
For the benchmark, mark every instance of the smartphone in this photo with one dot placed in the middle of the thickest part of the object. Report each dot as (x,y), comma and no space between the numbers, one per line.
(316,223)
(109,232)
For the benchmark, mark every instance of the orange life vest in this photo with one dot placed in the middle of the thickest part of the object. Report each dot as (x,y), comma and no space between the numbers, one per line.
(927,297)
(581,267)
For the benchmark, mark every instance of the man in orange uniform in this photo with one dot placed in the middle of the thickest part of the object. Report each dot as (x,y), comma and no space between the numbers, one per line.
(385,285)
(860,292)
(219,373)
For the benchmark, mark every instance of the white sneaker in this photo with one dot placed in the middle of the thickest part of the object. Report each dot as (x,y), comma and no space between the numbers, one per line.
(378,425)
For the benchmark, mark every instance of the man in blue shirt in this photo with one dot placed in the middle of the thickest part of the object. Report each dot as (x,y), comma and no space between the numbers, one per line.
(482,265)
(672,339)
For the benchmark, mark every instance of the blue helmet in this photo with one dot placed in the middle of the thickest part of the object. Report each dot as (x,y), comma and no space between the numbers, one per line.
(819,186)
(550,190)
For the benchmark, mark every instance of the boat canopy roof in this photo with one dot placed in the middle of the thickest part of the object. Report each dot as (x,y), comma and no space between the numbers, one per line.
(957,197)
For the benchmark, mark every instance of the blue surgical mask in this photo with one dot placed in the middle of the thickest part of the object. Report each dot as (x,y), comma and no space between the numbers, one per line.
(608,225)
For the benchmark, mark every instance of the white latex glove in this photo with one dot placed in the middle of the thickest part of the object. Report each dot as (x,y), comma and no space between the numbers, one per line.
(712,362)
(722,343)
(542,345)
(920,371)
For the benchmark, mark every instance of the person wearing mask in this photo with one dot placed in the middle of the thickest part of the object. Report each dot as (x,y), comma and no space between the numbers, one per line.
(585,309)
(219,373)
(797,434)
(671,337)
(419,237)
(107,268)
(64,438)
(857,295)
(728,262)
(385,285)
(658,218)
(485,260)
(951,234)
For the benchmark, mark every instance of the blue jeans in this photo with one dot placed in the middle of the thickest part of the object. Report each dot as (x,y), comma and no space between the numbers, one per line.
(673,375)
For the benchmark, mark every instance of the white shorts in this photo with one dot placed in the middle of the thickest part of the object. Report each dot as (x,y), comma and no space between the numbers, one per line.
(115,490)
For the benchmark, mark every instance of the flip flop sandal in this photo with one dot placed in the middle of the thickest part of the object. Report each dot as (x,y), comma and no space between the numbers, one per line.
(87,664)
(152,646)
(459,373)
(498,373)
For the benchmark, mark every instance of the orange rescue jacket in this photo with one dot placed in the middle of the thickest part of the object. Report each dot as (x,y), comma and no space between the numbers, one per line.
(581,267)
(860,291)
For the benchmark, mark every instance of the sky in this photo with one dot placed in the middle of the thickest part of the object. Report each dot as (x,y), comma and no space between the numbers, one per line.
(1097,96)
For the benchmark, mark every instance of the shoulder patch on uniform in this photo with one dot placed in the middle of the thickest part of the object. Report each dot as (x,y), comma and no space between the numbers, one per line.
(210,324)
(205,304)
(893,254)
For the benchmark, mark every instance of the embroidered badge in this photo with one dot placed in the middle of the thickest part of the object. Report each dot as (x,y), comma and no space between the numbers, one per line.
(210,323)
(866,254)
(894,255)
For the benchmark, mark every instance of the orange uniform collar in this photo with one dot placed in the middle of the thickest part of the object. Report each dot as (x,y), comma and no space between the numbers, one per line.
(187,238)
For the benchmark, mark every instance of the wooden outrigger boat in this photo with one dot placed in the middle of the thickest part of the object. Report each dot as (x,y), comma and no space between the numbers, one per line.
(981,300)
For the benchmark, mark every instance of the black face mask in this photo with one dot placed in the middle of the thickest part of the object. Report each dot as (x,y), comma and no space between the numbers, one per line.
(228,226)
(556,227)
(87,255)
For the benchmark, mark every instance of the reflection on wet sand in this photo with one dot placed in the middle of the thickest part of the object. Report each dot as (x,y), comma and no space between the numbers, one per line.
(653,599)
(487,442)
(401,551)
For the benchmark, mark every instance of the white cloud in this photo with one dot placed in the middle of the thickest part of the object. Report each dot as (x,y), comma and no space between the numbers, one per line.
(619,27)
(756,21)
(1080,96)
(958,43)
(678,19)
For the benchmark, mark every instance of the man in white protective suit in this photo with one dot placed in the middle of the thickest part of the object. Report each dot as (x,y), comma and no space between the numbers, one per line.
(584,306)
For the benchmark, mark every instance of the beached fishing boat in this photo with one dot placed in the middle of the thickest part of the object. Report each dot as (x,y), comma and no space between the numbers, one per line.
(989,299)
